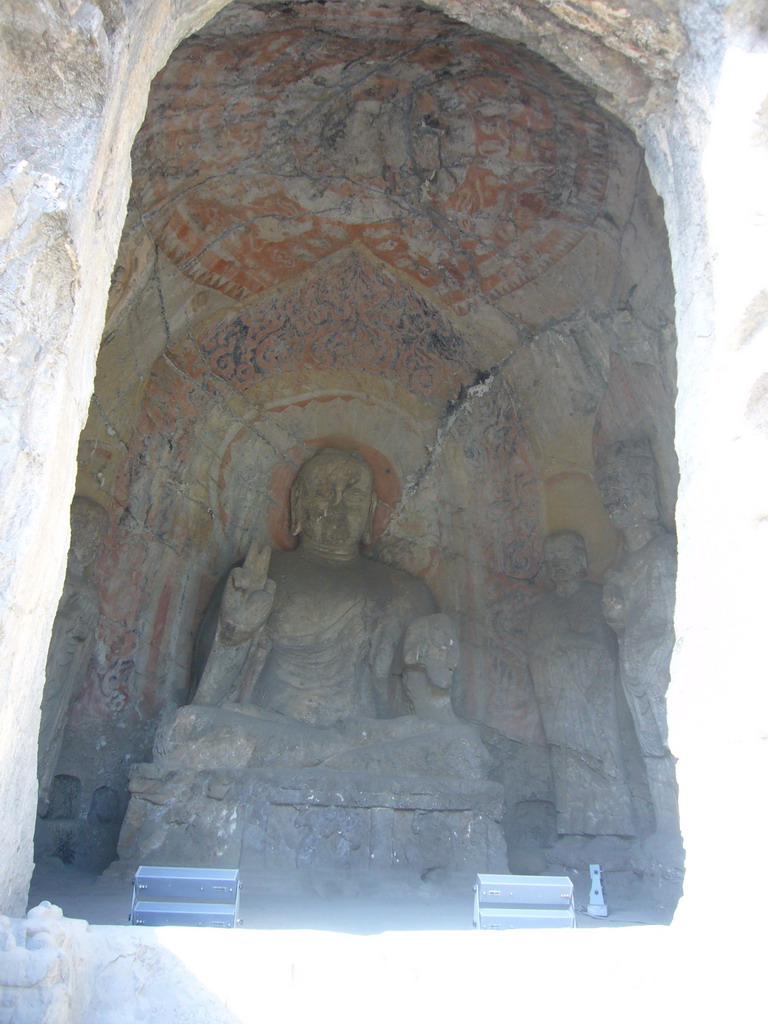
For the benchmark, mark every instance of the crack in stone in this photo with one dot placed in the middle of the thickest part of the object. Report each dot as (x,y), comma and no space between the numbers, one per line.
(484,380)
(111,430)
(155,275)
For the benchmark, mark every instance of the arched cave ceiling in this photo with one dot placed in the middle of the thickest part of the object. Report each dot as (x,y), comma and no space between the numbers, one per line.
(271,143)
(283,137)
(410,162)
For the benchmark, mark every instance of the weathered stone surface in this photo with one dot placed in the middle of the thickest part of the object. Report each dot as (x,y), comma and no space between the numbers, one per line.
(313,820)
(638,601)
(712,205)
(468,438)
(199,736)
(67,129)
(72,639)
(575,676)
(168,522)
(320,639)
(305,671)
(433,387)
(43,968)
(430,660)
(393,142)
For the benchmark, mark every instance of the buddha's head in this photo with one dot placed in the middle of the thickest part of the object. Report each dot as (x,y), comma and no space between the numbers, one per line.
(88,526)
(333,502)
(626,474)
(432,643)
(565,558)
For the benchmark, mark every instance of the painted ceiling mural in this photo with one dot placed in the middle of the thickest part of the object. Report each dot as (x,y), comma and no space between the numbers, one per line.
(353,317)
(462,162)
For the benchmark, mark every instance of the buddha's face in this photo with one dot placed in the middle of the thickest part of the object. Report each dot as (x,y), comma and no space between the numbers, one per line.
(629,499)
(625,474)
(565,557)
(88,526)
(333,502)
(441,661)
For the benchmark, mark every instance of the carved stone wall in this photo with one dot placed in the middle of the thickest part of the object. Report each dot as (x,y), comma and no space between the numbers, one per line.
(457,265)
(689,79)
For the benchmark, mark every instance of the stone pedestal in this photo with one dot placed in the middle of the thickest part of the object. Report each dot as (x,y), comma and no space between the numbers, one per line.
(310,823)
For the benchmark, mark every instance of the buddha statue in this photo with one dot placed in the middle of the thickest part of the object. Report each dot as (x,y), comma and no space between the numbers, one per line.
(306,665)
(316,634)
(322,734)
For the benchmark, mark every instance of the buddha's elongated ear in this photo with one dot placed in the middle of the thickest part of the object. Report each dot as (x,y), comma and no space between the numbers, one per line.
(296,510)
(368,534)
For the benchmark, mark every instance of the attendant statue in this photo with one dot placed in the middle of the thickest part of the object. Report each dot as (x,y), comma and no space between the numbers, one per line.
(316,634)
(72,638)
(638,602)
(573,662)
(431,657)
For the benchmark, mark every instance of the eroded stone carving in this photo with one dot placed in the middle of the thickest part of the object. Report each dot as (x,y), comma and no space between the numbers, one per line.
(638,602)
(431,657)
(573,663)
(72,638)
(41,967)
(319,640)
(299,712)
(306,666)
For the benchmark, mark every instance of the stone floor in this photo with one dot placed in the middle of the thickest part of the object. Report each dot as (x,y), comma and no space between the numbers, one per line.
(106,900)
(301,958)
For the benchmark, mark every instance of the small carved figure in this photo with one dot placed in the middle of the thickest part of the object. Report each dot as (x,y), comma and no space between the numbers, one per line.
(431,657)
(320,639)
(72,638)
(573,663)
(638,602)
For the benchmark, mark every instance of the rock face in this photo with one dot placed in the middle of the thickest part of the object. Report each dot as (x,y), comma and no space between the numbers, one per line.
(393,142)
(638,602)
(385,802)
(436,272)
(72,639)
(381,832)
(43,972)
(581,354)
(575,676)
(366,797)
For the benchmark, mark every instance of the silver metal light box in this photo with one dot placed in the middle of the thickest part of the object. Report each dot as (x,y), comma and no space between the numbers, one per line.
(198,897)
(523,901)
